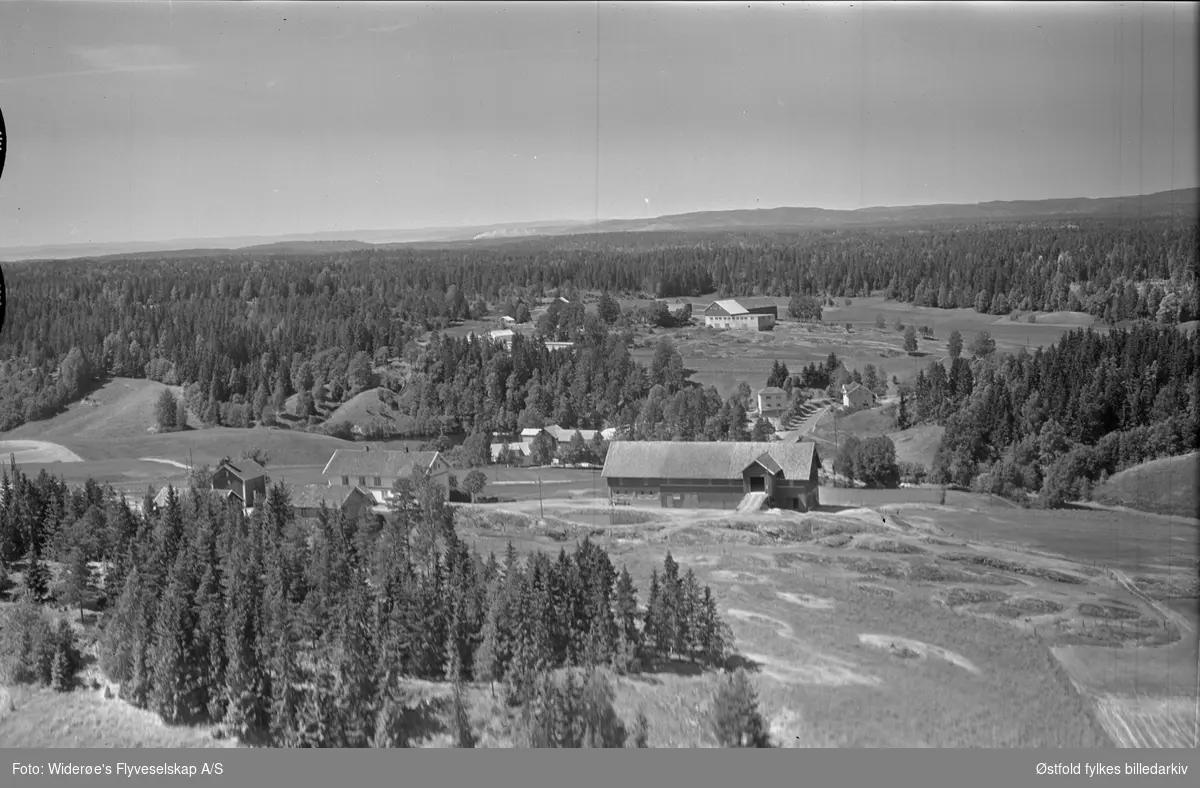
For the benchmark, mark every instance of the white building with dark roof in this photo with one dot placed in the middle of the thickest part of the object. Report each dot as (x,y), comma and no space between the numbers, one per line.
(377,471)
(745,314)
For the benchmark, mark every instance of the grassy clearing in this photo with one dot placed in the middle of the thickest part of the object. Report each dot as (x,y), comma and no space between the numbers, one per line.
(918,444)
(85,718)
(725,358)
(121,408)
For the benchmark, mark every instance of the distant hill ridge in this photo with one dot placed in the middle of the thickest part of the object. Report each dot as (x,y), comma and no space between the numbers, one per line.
(1183,203)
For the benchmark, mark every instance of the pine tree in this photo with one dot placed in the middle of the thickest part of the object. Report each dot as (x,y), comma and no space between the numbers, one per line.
(653,633)
(173,664)
(66,658)
(37,576)
(78,583)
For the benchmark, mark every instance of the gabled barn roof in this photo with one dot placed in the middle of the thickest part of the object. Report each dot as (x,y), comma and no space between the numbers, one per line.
(729,306)
(707,460)
(371,462)
(564,434)
(244,469)
(310,496)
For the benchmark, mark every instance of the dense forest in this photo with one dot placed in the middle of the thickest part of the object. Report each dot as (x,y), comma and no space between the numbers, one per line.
(301,633)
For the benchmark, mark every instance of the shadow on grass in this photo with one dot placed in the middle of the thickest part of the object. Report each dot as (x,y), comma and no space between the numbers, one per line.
(677,667)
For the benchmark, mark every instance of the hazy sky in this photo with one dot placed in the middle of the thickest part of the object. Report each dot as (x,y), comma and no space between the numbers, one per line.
(154,121)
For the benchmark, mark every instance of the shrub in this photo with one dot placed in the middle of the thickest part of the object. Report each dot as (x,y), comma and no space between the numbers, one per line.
(734,716)
(572,710)
(33,651)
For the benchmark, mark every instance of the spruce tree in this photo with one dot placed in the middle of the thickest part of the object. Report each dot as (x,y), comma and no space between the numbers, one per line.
(174,668)
(37,576)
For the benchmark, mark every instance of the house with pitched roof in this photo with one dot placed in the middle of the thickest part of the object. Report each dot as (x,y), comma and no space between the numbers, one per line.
(354,501)
(772,400)
(743,313)
(713,475)
(519,453)
(245,479)
(856,395)
(377,471)
(564,434)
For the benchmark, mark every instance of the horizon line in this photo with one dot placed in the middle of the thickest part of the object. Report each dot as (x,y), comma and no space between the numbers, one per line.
(349,235)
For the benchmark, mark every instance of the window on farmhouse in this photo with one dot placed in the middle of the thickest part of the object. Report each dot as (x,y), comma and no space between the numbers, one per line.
(362,479)
(345,481)
(378,483)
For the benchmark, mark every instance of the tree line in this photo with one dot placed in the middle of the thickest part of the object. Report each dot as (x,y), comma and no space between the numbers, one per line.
(1060,419)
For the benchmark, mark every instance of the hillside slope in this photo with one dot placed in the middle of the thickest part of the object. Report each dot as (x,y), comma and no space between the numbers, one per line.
(121,408)
(115,422)
(1166,486)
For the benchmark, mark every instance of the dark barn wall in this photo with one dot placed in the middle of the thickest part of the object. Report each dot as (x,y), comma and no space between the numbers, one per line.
(255,490)
(708,493)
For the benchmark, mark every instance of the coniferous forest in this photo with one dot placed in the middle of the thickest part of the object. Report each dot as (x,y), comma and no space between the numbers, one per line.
(302,633)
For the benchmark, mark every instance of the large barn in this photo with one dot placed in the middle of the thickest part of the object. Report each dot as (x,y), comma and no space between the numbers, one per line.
(755,314)
(716,475)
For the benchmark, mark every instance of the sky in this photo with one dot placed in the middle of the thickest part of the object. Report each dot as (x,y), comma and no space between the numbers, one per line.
(154,120)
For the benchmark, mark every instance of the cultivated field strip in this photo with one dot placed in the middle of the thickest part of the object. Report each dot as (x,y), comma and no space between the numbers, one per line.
(1154,723)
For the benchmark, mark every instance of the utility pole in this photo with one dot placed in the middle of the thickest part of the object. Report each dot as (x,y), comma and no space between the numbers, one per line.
(541,508)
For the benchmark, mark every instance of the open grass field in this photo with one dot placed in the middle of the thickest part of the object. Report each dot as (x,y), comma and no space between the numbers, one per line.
(889,638)
(725,358)
(108,437)
(1166,486)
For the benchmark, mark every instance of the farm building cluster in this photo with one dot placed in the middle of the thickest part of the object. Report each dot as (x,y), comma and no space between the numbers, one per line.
(517,450)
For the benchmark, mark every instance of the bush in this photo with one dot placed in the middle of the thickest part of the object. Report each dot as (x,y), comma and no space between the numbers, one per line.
(33,651)
(341,429)
(734,717)
(572,710)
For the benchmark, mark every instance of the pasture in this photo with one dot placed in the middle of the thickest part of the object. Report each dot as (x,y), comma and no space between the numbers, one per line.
(725,358)
(874,627)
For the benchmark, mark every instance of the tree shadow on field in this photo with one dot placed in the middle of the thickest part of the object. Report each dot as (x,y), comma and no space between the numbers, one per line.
(424,719)
(650,674)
